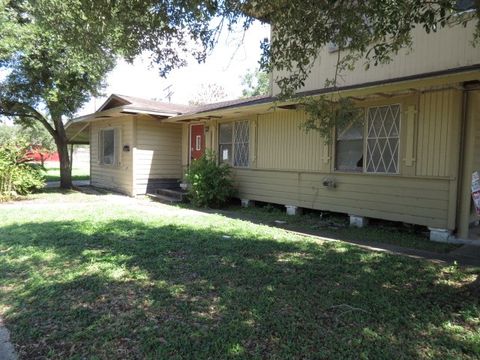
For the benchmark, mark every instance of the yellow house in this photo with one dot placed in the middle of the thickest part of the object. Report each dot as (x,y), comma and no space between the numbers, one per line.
(411,161)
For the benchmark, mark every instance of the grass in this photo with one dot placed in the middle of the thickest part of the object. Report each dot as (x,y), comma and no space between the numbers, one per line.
(52,173)
(333,225)
(103,277)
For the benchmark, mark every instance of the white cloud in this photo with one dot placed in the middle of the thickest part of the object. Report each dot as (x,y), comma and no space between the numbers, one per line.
(235,53)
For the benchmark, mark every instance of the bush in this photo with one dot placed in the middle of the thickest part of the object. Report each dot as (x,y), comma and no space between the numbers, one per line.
(210,184)
(17,175)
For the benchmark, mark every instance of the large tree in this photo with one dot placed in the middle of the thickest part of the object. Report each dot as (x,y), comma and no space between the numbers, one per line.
(46,79)
(374,30)
(54,54)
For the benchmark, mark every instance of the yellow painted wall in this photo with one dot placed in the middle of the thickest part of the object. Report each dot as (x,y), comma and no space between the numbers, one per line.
(288,166)
(282,144)
(448,48)
(117,177)
(158,152)
(412,200)
(439,125)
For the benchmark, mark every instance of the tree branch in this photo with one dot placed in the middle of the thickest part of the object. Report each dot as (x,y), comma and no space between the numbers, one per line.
(30,112)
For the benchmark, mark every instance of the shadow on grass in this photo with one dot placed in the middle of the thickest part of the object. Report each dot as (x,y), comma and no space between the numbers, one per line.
(130,290)
(379,233)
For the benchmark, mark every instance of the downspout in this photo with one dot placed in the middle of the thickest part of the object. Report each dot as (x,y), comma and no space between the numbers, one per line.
(465,172)
(460,184)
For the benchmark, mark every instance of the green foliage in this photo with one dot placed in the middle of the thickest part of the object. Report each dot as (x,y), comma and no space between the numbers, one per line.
(210,183)
(255,82)
(36,135)
(17,176)
(373,31)
(47,77)
(173,31)
(324,115)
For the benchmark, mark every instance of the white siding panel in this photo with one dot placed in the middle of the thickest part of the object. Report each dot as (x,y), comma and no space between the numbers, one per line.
(118,177)
(158,154)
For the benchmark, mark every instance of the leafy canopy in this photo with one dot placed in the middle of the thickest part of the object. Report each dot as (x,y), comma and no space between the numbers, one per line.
(373,30)
(255,82)
(45,73)
(173,31)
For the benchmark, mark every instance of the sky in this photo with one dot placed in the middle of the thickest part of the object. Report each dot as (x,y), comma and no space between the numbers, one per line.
(225,66)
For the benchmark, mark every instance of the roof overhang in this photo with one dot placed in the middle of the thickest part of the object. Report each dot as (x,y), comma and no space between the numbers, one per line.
(78,129)
(361,92)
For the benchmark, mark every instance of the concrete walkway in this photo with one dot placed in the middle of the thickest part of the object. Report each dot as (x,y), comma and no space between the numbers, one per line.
(7,351)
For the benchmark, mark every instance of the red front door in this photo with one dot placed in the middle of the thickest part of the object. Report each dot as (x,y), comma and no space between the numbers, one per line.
(197,141)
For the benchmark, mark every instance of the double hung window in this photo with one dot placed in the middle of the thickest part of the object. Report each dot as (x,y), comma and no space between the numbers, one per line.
(373,147)
(233,142)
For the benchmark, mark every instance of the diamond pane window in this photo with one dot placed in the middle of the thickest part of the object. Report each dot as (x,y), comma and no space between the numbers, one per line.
(383,139)
(241,139)
(233,143)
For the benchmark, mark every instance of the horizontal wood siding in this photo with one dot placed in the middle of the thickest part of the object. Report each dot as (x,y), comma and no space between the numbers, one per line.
(118,177)
(448,48)
(438,133)
(158,153)
(283,144)
(412,200)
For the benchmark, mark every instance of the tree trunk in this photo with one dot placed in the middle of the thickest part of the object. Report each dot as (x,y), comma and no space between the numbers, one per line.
(475,286)
(65,163)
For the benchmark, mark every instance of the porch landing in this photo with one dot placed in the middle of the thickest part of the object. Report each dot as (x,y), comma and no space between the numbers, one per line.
(168,195)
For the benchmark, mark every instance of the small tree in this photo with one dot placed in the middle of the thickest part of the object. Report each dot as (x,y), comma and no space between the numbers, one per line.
(255,82)
(210,183)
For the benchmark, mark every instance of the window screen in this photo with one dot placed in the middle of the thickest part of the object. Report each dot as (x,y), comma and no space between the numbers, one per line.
(349,148)
(108,147)
(233,140)
(225,142)
(383,139)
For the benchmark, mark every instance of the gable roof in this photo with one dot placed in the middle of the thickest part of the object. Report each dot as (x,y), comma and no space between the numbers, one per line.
(146,105)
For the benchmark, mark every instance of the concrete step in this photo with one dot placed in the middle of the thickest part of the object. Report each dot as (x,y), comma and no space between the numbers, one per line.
(164,199)
(177,193)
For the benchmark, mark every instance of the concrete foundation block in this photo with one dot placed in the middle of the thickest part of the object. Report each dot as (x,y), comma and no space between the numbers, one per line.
(293,210)
(440,235)
(247,203)
(358,221)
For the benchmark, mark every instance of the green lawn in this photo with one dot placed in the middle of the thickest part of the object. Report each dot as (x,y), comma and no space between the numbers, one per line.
(52,173)
(332,225)
(104,277)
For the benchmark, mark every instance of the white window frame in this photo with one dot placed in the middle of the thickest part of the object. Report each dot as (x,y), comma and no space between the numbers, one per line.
(102,148)
(365,145)
(198,142)
(233,143)
(335,145)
